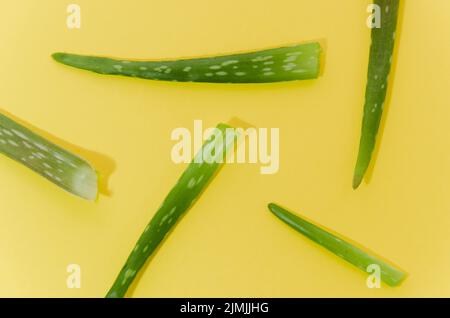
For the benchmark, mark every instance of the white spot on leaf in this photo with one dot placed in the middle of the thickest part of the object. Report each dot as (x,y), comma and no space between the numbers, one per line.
(20,134)
(291,59)
(226,63)
(200,178)
(12,142)
(191,183)
(294,53)
(118,67)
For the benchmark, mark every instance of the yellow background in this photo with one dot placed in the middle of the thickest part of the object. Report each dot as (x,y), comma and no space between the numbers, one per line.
(228,244)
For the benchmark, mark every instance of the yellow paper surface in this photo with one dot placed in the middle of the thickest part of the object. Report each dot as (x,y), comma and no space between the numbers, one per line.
(228,245)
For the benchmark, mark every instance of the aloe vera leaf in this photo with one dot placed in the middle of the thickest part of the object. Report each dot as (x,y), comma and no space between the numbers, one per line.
(299,62)
(59,166)
(345,250)
(381,50)
(179,200)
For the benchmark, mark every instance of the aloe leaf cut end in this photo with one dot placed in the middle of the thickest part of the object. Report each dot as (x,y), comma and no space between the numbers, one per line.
(59,166)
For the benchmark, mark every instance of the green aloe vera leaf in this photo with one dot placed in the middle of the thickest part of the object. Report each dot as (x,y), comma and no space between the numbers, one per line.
(61,167)
(389,274)
(381,51)
(299,62)
(179,200)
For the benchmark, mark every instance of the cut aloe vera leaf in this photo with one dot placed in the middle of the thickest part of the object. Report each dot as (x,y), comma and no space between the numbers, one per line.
(179,200)
(61,167)
(380,60)
(299,62)
(345,250)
